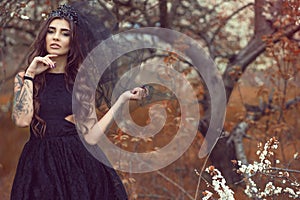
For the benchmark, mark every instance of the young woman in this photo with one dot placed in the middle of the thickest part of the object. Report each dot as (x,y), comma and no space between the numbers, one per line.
(54,163)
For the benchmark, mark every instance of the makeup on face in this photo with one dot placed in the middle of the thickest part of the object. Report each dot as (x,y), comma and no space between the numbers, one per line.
(58,37)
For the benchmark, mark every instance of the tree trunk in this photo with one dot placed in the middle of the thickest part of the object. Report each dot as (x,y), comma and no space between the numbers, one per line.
(224,151)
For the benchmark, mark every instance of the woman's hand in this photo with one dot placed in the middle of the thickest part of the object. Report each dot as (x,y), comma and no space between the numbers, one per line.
(137,93)
(40,64)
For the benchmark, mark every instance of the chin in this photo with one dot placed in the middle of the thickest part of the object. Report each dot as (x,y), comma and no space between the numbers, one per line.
(57,52)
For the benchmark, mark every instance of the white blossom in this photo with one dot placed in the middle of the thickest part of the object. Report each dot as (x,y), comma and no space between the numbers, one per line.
(291,192)
(219,184)
(24,17)
(296,155)
(262,168)
(208,194)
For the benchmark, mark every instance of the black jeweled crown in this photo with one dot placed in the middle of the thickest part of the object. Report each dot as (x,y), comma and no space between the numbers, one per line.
(65,11)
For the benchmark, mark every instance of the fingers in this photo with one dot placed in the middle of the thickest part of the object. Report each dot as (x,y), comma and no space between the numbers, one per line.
(138,93)
(46,60)
(40,64)
(51,63)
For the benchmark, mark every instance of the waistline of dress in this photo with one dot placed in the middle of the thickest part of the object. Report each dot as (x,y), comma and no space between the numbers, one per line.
(56,128)
(49,137)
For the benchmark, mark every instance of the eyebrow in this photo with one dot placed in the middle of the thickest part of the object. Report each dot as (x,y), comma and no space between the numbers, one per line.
(63,29)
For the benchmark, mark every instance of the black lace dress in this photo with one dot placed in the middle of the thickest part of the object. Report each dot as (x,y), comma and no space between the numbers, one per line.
(58,166)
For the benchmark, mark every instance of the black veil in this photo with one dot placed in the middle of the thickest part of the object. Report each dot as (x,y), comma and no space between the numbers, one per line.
(98,23)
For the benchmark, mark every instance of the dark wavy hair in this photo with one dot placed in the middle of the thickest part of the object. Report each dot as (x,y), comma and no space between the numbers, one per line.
(77,53)
(87,32)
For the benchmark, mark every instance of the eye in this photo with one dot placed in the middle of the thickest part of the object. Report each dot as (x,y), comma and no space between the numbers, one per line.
(50,31)
(66,34)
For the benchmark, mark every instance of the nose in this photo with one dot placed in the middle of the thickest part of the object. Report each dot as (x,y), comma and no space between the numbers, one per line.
(56,36)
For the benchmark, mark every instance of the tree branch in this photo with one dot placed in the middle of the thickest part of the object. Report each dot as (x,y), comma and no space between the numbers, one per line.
(247,55)
(253,113)
(163,14)
(175,184)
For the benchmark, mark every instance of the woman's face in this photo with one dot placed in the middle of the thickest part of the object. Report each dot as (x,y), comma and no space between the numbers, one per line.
(58,37)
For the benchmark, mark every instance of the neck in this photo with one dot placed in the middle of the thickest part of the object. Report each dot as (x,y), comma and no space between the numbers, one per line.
(60,64)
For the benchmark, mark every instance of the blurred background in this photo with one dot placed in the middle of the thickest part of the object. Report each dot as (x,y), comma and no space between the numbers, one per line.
(255,45)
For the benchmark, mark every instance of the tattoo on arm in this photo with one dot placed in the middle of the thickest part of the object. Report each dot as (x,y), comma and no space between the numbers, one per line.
(22,103)
(17,88)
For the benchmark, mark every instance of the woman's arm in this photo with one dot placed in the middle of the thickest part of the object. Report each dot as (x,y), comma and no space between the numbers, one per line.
(23,100)
(98,129)
(23,90)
